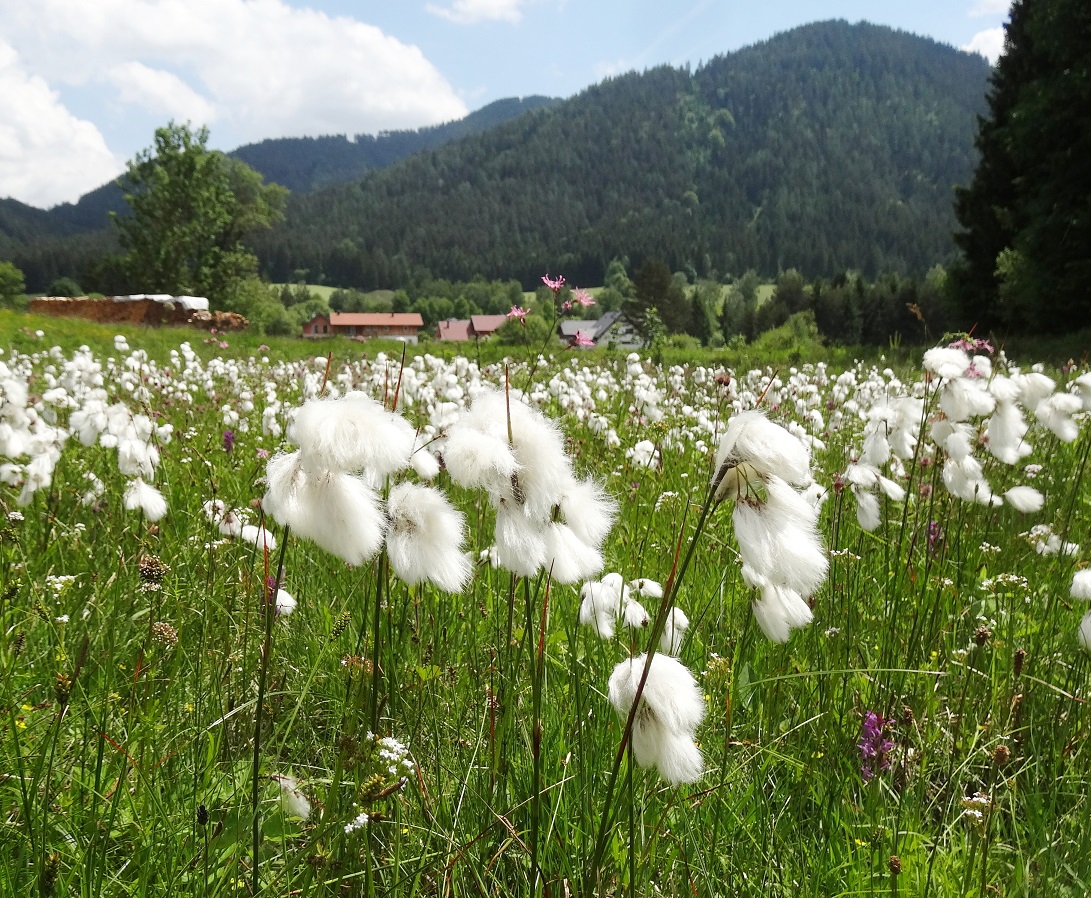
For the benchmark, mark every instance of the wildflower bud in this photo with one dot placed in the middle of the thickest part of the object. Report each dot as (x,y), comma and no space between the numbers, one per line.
(908,717)
(982,636)
(152,569)
(339,627)
(895,865)
(202,815)
(370,788)
(1017,661)
(20,643)
(1001,755)
(50,870)
(164,634)
(62,689)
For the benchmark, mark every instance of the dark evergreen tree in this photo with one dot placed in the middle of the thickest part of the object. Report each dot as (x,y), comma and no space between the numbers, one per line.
(986,209)
(1027,213)
(655,288)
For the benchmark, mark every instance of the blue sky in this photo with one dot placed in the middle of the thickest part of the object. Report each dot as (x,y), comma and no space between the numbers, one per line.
(84,83)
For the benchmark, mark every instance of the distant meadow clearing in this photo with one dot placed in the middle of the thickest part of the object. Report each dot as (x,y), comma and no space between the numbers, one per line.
(564,625)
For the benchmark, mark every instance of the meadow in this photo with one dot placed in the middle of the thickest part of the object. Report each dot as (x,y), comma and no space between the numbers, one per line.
(277,623)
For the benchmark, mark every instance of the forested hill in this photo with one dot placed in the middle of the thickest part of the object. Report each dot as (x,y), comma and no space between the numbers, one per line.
(828,147)
(300,164)
(306,163)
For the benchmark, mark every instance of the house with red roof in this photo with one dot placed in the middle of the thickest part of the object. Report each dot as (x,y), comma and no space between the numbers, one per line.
(404,326)
(457,330)
(486,325)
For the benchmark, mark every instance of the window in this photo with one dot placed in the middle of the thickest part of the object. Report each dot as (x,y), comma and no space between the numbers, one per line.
(315,331)
(325,328)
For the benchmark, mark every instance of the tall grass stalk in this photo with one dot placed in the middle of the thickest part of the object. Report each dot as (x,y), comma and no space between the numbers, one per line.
(269,611)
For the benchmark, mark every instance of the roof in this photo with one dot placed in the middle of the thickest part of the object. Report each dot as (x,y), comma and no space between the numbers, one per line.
(455,329)
(376,319)
(570,327)
(483,325)
(594,328)
(607,321)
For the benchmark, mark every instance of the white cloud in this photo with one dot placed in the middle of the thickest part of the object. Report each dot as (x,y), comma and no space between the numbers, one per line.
(47,155)
(990,8)
(989,43)
(257,68)
(469,12)
(160,92)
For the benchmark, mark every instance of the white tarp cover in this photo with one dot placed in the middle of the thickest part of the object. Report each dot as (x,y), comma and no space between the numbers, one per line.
(193,303)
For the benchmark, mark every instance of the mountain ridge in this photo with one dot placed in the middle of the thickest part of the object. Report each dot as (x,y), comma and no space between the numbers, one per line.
(827,147)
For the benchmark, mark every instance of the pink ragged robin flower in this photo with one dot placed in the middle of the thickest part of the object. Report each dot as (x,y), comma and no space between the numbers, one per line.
(519,312)
(582,340)
(582,297)
(971,344)
(553,284)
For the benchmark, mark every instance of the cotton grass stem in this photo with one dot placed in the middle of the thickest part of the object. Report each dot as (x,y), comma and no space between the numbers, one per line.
(380,591)
(269,606)
(665,605)
(536,743)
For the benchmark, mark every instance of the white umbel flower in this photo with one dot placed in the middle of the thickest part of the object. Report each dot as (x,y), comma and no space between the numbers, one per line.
(671,708)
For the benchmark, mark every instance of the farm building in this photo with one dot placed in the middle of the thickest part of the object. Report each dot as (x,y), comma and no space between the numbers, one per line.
(455,330)
(609,330)
(486,325)
(459,330)
(403,326)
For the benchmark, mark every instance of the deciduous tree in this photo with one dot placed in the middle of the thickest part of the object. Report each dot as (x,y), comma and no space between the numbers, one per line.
(192,207)
(12,284)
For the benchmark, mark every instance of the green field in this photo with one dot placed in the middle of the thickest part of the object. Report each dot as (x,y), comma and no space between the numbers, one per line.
(167,730)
